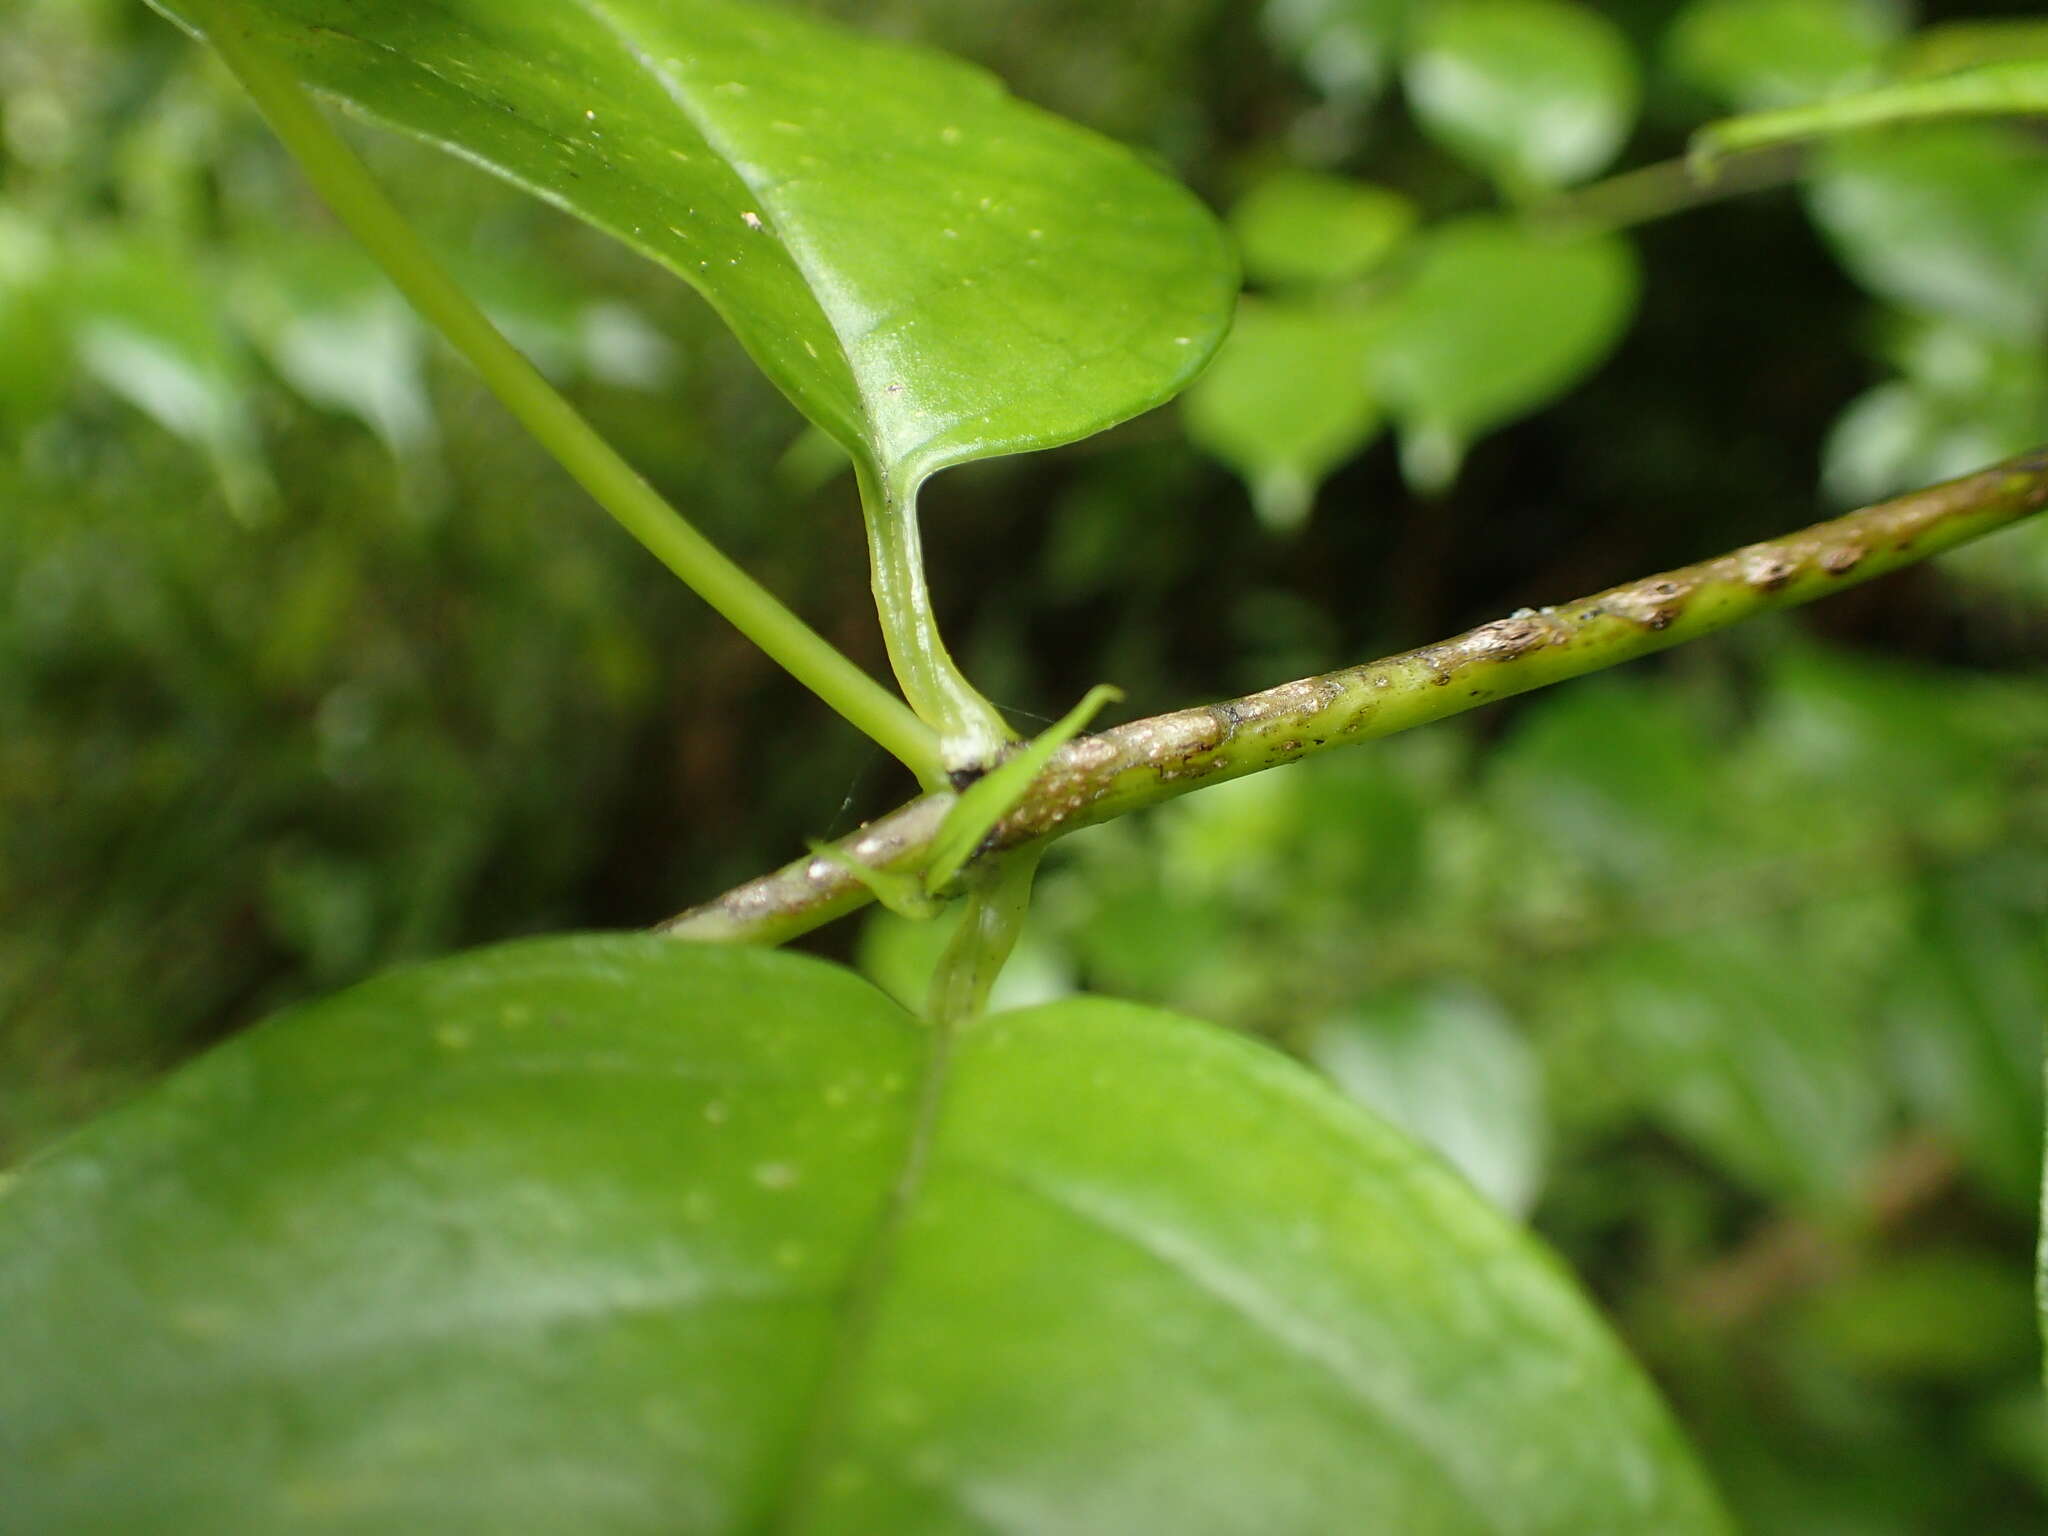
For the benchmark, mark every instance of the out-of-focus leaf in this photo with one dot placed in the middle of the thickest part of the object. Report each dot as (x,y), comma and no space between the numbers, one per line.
(1537,93)
(148,330)
(35,346)
(1967,398)
(1965,1017)
(1286,400)
(1748,1054)
(933,271)
(1618,774)
(1949,220)
(563,1235)
(1346,47)
(1299,227)
(1954,45)
(1495,322)
(1758,54)
(1945,1312)
(1994,90)
(339,335)
(1746,1031)
(1447,1066)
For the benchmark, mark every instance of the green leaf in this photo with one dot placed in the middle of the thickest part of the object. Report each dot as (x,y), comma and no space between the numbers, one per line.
(933,271)
(622,1235)
(1995,90)
(1946,220)
(1306,228)
(1964,1016)
(1537,93)
(35,345)
(1757,54)
(148,330)
(1286,401)
(1939,1313)
(339,335)
(1346,47)
(1496,321)
(1760,1064)
(1957,45)
(1965,398)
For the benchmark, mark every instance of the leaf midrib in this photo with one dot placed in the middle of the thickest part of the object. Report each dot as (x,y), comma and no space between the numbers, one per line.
(866,1285)
(678,93)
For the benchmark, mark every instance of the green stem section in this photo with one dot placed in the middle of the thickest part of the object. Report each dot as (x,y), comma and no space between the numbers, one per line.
(1149,761)
(1669,187)
(353,194)
(971,732)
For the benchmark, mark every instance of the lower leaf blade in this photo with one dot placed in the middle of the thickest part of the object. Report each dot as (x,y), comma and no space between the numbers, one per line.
(620,1235)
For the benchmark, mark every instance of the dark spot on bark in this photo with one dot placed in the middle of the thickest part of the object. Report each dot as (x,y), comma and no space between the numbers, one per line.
(1840,562)
(961,778)
(1661,618)
(1772,575)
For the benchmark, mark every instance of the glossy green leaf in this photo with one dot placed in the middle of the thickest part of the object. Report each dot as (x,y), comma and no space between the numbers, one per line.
(1300,227)
(933,271)
(1496,321)
(1537,93)
(1449,1067)
(1994,90)
(619,1235)
(1286,401)
(1758,54)
(1346,47)
(1947,220)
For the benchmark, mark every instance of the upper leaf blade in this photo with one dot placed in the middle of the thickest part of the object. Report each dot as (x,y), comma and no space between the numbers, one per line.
(621,1235)
(933,271)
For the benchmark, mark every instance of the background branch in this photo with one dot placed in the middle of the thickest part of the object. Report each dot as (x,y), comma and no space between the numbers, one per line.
(1149,761)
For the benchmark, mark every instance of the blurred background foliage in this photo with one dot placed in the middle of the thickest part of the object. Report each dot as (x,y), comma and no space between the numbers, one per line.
(1728,972)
